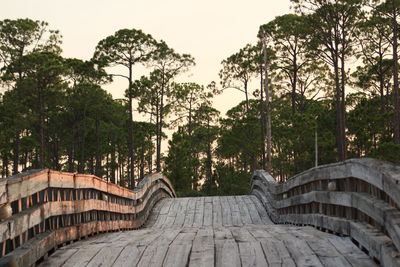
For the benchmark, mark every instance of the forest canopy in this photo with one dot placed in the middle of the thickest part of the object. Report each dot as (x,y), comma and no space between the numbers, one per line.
(321,85)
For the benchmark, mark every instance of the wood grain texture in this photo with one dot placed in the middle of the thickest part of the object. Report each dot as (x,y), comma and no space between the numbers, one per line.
(212,231)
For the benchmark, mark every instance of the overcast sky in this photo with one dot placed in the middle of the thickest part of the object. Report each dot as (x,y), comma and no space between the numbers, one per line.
(209,30)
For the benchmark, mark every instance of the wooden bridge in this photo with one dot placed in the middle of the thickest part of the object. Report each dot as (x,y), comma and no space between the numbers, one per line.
(344,214)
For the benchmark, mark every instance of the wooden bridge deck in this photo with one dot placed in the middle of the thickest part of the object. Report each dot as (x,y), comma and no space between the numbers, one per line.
(212,231)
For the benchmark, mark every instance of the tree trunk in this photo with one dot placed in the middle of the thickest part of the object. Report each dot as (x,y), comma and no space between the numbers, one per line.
(5,172)
(159,128)
(71,148)
(97,170)
(396,77)
(381,81)
(294,84)
(81,162)
(343,109)
(262,121)
(338,111)
(16,153)
(247,97)
(130,134)
(268,111)
(41,131)
(209,156)
(142,161)
(113,164)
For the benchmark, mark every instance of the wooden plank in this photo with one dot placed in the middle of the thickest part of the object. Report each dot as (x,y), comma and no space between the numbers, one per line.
(155,212)
(183,206)
(350,251)
(59,257)
(199,213)
(189,216)
(208,212)
(106,256)
(171,215)
(179,250)
(133,251)
(260,233)
(261,210)
(227,251)
(217,212)
(166,205)
(226,212)
(276,253)
(154,254)
(327,253)
(251,252)
(243,209)
(255,216)
(83,256)
(319,244)
(274,248)
(236,218)
(301,252)
(202,254)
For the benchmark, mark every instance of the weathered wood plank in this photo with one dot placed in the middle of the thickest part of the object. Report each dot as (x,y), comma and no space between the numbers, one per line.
(189,217)
(199,212)
(236,218)
(217,212)
(208,212)
(83,256)
(254,214)
(227,251)
(137,243)
(261,210)
(251,252)
(202,232)
(179,249)
(276,253)
(226,212)
(180,218)
(59,257)
(154,254)
(244,211)
(351,252)
(301,252)
(327,253)
(202,254)
(163,214)
(171,215)
(106,256)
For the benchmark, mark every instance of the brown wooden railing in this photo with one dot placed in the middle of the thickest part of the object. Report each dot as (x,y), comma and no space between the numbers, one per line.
(41,210)
(359,198)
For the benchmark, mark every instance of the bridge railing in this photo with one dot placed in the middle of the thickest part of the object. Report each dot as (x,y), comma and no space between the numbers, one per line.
(41,210)
(359,198)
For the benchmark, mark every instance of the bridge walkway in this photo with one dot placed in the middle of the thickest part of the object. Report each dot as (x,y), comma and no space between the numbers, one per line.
(212,231)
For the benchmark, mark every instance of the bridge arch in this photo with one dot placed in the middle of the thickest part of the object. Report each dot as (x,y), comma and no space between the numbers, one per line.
(353,204)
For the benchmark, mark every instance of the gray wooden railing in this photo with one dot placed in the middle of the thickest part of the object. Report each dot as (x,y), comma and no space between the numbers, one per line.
(41,210)
(359,198)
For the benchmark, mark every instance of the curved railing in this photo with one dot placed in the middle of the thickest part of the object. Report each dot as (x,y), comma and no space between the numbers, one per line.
(41,210)
(359,198)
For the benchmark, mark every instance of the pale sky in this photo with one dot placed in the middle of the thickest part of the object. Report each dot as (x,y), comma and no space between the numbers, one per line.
(209,30)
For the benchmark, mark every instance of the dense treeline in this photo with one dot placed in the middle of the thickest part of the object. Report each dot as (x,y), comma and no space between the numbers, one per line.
(54,112)
(320,86)
(328,90)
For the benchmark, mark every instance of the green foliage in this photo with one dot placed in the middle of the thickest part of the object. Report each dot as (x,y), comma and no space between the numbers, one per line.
(56,114)
(230,181)
(126,47)
(387,151)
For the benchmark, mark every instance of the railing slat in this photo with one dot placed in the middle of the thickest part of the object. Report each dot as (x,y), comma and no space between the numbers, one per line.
(359,198)
(51,208)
